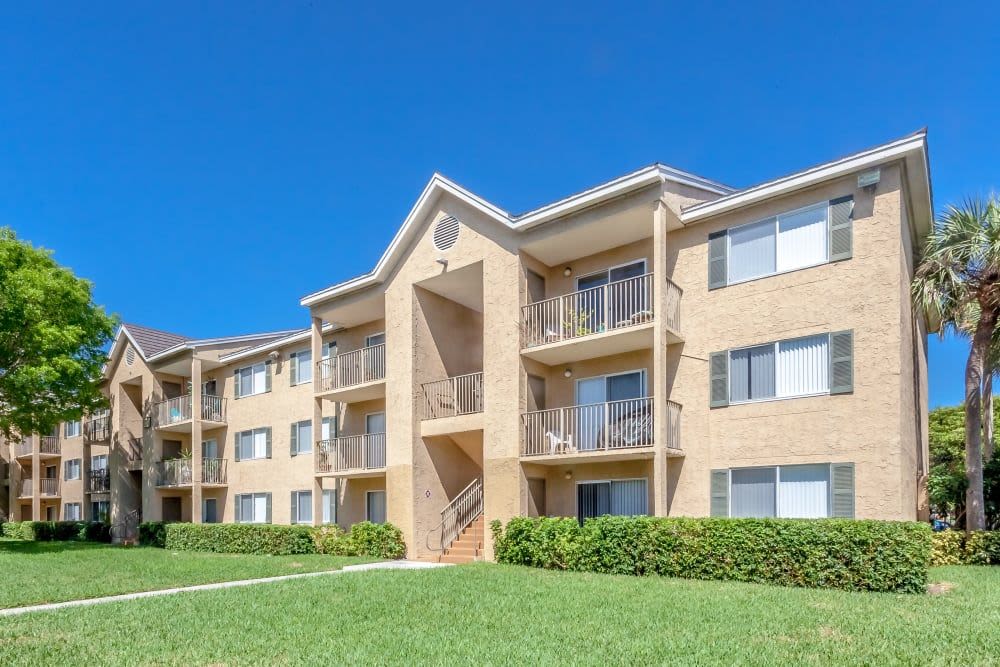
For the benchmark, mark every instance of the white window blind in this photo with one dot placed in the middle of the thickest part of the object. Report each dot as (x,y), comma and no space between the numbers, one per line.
(752,492)
(329,506)
(303,366)
(789,241)
(253,380)
(260,508)
(302,507)
(802,238)
(803,366)
(751,251)
(804,491)
(71,512)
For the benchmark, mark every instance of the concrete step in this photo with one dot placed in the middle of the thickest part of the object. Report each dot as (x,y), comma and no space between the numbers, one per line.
(456,559)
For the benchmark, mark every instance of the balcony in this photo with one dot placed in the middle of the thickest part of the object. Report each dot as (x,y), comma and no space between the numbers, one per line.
(133,454)
(174,414)
(97,429)
(354,376)
(600,321)
(351,456)
(180,473)
(48,446)
(615,430)
(99,481)
(452,405)
(49,488)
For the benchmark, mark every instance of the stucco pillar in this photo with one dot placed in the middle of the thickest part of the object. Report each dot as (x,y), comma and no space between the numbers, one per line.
(316,350)
(196,436)
(36,479)
(659,390)
(403,499)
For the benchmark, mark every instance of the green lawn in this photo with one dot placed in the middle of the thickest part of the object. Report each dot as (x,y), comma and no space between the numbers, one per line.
(38,572)
(507,615)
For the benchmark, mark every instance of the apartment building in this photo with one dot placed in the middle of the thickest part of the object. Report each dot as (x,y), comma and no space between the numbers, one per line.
(659,344)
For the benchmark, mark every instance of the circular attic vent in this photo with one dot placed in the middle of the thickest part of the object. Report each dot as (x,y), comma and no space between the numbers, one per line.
(446,232)
(129,356)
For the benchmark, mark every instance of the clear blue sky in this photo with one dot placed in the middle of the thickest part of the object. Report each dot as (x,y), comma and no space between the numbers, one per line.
(267,150)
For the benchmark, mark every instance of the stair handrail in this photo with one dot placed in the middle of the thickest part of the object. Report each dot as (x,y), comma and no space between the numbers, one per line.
(120,529)
(458,515)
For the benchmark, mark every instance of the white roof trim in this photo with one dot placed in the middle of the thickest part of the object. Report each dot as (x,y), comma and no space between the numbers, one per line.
(438,184)
(299,335)
(192,344)
(872,157)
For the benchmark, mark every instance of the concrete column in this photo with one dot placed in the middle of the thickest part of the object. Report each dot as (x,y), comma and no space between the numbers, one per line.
(316,349)
(659,390)
(36,479)
(196,437)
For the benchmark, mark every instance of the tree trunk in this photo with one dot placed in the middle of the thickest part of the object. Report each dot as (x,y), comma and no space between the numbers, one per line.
(988,414)
(974,504)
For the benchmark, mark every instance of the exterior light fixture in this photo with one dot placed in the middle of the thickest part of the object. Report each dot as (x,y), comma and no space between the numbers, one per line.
(567,272)
(569,474)
(568,373)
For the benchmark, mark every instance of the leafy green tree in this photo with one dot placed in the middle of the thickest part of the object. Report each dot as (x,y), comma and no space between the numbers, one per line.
(958,281)
(52,341)
(947,483)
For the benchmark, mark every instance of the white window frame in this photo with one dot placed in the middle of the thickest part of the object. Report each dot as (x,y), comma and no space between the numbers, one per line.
(96,514)
(576,491)
(253,503)
(297,519)
(336,499)
(72,429)
(777,222)
(608,269)
(299,440)
(295,358)
(98,458)
(254,390)
(79,470)
(369,337)
(253,444)
(79,512)
(777,485)
(775,344)
(368,505)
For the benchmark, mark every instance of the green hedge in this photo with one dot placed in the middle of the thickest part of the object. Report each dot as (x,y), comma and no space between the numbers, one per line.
(824,553)
(239,538)
(378,540)
(153,534)
(57,531)
(952,547)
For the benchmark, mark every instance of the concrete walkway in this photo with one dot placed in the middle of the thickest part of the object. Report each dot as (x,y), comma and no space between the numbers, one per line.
(387,565)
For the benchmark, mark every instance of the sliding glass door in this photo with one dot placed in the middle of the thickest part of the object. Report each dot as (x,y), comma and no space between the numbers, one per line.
(597,414)
(622,497)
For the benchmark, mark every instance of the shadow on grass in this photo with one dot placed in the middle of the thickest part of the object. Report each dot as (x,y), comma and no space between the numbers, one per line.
(23,547)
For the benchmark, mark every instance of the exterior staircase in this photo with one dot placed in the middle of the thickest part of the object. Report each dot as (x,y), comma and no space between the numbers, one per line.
(468,546)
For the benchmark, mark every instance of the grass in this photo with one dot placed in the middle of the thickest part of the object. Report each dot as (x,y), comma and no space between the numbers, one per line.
(508,615)
(40,572)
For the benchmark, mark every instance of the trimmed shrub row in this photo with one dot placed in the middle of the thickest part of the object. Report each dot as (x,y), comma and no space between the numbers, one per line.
(825,553)
(57,531)
(364,539)
(952,547)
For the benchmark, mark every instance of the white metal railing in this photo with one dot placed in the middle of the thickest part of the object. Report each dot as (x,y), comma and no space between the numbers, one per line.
(366,364)
(178,409)
(24,448)
(587,428)
(179,472)
(673,425)
(48,444)
(617,305)
(672,306)
(351,452)
(458,515)
(133,453)
(213,471)
(97,429)
(459,395)
(49,486)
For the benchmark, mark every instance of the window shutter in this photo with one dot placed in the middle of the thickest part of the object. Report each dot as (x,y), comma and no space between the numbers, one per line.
(717,273)
(293,515)
(842,362)
(718,363)
(236,383)
(331,499)
(293,370)
(268,370)
(267,438)
(267,518)
(236,512)
(294,446)
(842,481)
(841,231)
(720,493)
(236,446)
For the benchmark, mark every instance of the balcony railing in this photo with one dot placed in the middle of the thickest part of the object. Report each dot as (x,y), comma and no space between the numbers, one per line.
(133,454)
(99,481)
(177,410)
(672,314)
(48,444)
(97,429)
(352,452)
(25,447)
(49,487)
(360,366)
(598,427)
(459,395)
(179,472)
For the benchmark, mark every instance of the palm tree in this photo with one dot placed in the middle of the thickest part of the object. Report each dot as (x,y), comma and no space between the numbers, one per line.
(958,282)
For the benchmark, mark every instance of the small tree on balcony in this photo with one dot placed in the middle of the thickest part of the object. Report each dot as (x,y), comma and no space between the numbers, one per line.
(52,341)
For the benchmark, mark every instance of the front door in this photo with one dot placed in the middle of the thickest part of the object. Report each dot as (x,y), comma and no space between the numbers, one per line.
(591,394)
(374,443)
(210,449)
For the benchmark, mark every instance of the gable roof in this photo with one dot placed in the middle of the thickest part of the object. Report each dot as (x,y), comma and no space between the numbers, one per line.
(150,341)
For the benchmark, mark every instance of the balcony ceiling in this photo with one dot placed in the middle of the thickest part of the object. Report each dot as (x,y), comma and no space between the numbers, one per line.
(591,232)
(463,286)
(354,309)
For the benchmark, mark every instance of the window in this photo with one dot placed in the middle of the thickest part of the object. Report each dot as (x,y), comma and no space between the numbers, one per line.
(253,508)
(330,506)
(375,506)
(798,367)
(301,442)
(300,367)
(785,242)
(255,444)
(375,339)
(99,462)
(100,510)
(329,428)
(210,510)
(625,497)
(790,492)
(72,429)
(72,512)
(612,411)
(252,380)
(302,507)
(72,469)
